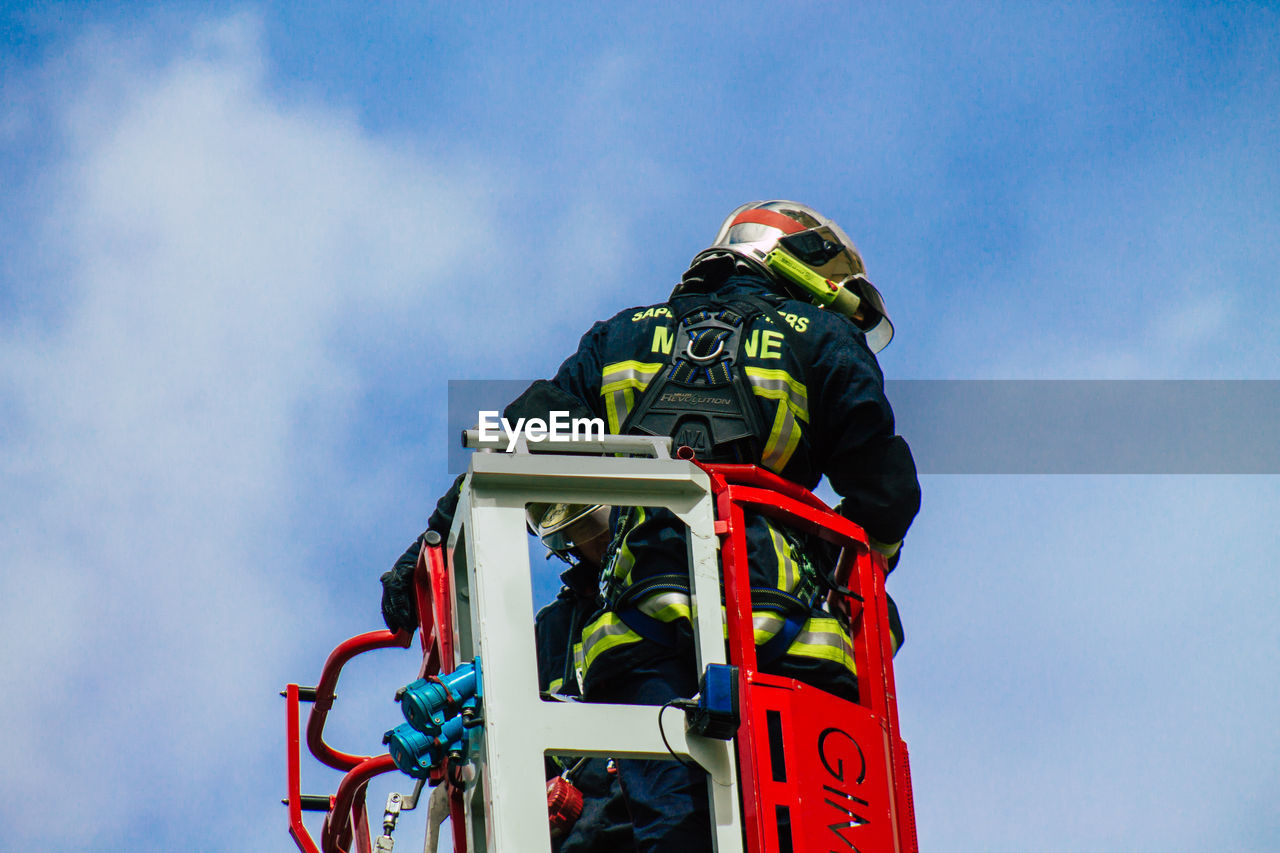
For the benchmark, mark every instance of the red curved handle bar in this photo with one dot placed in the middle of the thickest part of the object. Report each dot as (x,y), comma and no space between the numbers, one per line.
(429,558)
(345,651)
(336,835)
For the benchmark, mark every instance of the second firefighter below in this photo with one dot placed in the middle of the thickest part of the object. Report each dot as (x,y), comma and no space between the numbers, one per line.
(578,535)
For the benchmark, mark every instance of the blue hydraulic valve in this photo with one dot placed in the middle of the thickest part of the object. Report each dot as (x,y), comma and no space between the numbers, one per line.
(428,702)
(416,753)
(439,711)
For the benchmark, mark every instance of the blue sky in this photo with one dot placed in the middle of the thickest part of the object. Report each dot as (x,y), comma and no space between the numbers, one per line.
(244,246)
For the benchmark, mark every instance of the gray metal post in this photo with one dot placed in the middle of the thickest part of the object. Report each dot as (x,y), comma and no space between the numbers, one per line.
(494,615)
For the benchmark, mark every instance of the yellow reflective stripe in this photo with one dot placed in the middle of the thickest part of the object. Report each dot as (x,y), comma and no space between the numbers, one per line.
(612,403)
(774,380)
(822,651)
(788,568)
(766,626)
(793,405)
(579,663)
(672,612)
(619,381)
(628,374)
(666,606)
(778,544)
(824,638)
(626,560)
(555,685)
(603,634)
(779,449)
(886,549)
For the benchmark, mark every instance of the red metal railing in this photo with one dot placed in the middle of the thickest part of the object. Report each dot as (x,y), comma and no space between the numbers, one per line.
(796,793)
(346,820)
(323,702)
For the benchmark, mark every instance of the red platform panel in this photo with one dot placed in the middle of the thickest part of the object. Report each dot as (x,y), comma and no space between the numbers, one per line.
(824,779)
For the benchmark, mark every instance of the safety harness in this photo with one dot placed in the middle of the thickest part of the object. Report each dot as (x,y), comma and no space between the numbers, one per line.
(703,400)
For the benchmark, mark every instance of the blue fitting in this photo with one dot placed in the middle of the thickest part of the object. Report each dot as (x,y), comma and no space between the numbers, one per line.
(410,750)
(416,753)
(437,725)
(428,703)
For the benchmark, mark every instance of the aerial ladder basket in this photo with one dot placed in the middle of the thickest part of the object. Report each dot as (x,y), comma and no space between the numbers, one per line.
(805,771)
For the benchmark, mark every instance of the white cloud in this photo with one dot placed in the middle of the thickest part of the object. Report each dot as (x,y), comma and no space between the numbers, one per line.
(221,253)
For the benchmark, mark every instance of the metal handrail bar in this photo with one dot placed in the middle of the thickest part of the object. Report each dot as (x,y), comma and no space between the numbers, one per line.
(346,650)
(658,447)
(336,836)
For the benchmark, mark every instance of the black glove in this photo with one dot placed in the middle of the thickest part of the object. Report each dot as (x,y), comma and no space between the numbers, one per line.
(399,603)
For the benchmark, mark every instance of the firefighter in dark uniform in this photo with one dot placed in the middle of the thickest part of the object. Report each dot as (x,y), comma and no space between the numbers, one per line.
(578,535)
(764,353)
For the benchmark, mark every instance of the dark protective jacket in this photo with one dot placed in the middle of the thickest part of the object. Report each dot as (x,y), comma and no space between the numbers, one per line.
(821,404)
(558,625)
(604,825)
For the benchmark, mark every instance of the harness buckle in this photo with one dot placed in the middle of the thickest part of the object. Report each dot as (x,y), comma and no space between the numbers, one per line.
(703,359)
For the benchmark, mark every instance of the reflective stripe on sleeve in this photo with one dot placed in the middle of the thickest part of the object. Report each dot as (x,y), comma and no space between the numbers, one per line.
(605,633)
(824,638)
(886,549)
(666,606)
(793,407)
(619,382)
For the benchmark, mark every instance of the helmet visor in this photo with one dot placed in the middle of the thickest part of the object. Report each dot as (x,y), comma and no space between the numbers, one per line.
(875,323)
(822,250)
(827,252)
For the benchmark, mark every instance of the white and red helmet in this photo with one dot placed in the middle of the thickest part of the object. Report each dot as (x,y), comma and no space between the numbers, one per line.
(810,256)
